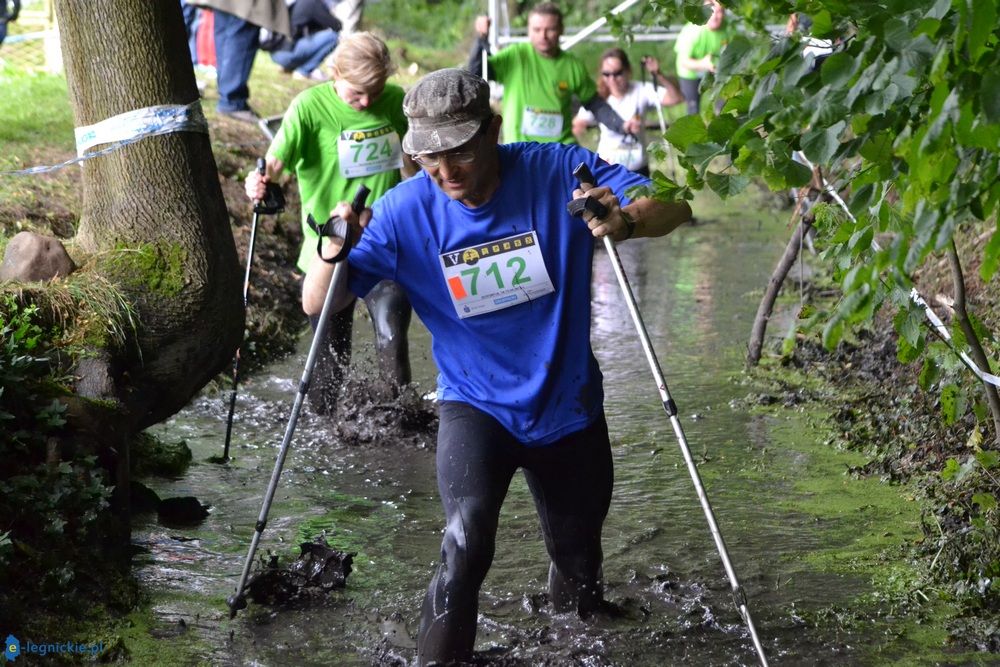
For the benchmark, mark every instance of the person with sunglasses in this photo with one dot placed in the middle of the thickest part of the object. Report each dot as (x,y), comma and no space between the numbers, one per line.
(500,274)
(335,136)
(630,100)
(540,81)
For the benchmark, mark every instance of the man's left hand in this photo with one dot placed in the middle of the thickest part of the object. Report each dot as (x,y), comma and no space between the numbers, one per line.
(615,223)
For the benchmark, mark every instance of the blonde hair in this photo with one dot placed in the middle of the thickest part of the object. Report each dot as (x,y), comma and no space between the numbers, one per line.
(363,59)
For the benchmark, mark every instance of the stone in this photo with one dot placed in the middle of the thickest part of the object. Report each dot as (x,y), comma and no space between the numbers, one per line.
(31,257)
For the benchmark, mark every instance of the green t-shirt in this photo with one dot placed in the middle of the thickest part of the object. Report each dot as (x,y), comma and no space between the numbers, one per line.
(332,148)
(697,41)
(538,93)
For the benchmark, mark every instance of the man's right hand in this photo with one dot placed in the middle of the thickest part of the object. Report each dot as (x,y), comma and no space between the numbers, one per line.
(482,25)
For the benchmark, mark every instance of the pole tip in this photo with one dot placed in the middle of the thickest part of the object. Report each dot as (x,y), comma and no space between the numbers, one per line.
(236,602)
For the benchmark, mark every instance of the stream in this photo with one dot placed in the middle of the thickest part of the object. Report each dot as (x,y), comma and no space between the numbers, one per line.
(698,290)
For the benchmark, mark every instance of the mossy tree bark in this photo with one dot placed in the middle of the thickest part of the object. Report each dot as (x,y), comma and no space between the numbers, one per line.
(153,211)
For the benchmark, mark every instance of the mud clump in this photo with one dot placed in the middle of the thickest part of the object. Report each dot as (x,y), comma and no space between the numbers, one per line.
(319,570)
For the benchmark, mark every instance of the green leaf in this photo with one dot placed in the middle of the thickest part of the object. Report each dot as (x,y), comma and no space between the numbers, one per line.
(939,9)
(896,34)
(822,26)
(701,154)
(782,171)
(991,257)
(986,501)
(905,352)
(950,469)
(930,372)
(686,130)
(877,148)
(820,144)
(735,57)
(723,128)
(833,332)
(983,23)
(726,185)
(988,459)
(952,404)
(907,324)
(989,96)
(838,69)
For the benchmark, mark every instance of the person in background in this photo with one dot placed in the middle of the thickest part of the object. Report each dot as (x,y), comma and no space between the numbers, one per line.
(9,12)
(314,37)
(192,17)
(630,100)
(350,13)
(698,48)
(334,137)
(500,274)
(540,81)
(237,25)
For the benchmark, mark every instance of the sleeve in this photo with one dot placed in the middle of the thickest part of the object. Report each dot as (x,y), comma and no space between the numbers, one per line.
(604,114)
(586,88)
(398,118)
(480,49)
(501,64)
(288,140)
(373,259)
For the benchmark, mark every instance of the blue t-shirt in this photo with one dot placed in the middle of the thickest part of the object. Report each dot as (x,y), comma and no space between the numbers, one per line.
(529,365)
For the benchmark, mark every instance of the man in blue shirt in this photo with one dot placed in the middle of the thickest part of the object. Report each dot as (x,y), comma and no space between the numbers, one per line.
(500,273)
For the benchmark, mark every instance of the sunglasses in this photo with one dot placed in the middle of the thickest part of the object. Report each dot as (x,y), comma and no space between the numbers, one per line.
(617,74)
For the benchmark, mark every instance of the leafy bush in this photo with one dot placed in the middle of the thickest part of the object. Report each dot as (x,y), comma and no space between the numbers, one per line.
(50,511)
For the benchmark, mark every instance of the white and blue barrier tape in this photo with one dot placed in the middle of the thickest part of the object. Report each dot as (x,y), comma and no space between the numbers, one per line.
(128,128)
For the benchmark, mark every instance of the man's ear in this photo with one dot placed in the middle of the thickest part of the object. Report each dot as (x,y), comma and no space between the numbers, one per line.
(494,130)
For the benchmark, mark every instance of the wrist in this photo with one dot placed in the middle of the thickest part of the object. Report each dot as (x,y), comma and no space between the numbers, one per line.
(629,224)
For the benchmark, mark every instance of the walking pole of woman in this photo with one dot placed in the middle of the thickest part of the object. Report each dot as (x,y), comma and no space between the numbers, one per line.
(661,118)
(586,179)
(273,202)
(334,226)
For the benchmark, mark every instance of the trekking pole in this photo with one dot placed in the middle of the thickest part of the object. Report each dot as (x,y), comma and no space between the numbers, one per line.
(576,208)
(660,117)
(273,202)
(334,226)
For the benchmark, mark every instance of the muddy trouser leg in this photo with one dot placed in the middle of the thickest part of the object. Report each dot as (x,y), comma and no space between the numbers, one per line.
(571,483)
(476,459)
(332,358)
(391,312)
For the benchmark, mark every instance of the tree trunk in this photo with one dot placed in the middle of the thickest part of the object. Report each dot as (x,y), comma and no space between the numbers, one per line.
(975,346)
(773,288)
(155,203)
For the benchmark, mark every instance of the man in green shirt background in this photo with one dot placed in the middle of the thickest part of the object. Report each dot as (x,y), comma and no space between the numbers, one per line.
(540,81)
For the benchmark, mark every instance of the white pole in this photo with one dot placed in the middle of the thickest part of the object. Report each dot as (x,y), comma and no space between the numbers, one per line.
(570,42)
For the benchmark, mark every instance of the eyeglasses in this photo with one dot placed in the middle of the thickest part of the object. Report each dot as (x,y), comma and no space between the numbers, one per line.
(434,159)
(617,74)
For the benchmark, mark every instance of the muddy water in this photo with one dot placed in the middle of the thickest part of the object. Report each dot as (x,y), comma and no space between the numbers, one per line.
(697,290)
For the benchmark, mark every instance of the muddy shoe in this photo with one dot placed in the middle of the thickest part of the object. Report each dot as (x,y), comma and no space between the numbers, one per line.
(242,115)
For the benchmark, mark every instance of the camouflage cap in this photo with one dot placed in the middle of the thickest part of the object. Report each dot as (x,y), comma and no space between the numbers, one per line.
(445,109)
